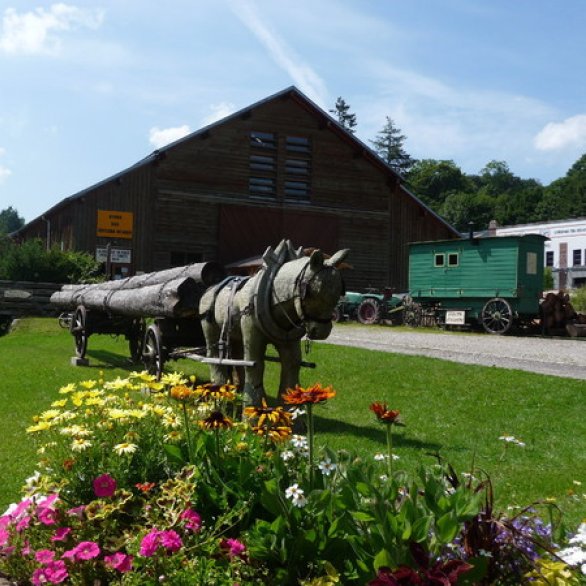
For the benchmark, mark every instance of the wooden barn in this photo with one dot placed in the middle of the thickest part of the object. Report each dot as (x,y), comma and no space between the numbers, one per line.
(281,167)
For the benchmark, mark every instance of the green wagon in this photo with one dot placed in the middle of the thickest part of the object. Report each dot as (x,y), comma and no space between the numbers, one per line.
(495,282)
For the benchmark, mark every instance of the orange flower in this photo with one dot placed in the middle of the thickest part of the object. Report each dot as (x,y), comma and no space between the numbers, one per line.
(216,391)
(314,394)
(217,420)
(276,434)
(181,393)
(268,415)
(385,415)
(145,486)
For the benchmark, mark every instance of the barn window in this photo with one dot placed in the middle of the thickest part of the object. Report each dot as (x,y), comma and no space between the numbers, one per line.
(263,140)
(439,259)
(577,257)
(453,259)
(262,163)
(297,167)
(298,144)
(262,186)
(549,258)
(297,190)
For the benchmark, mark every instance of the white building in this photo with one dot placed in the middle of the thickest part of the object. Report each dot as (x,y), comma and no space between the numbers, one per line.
(565,251)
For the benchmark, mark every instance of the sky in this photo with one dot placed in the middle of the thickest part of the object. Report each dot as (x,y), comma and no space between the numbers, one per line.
(88,88)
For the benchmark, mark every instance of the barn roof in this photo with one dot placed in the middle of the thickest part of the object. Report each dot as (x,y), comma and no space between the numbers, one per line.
(298,97)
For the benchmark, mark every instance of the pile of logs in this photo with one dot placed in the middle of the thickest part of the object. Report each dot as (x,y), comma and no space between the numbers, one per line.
(557,313)
(170,293)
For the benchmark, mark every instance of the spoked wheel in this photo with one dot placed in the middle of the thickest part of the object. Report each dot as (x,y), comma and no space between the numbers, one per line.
(152,356)
(136,339)
(79,331)
(368,311)
(336,315)
(412,315)
(497,316)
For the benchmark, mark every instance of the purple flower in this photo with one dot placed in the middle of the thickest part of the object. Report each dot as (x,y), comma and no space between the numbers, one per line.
(85,550)
(52,573)
(4,537)
(119,561)
(104,486)
(149,544)
(170,540)
(47,515)
(77,511)
(23,523)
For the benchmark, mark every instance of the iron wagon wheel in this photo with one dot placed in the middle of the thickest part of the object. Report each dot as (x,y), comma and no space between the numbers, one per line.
(336,315)
(78,330)
(497,316)
(368,311)
(136,338)
(152,351)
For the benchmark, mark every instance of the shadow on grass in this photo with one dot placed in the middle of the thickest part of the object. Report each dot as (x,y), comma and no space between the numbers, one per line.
(109,361)
(375,434)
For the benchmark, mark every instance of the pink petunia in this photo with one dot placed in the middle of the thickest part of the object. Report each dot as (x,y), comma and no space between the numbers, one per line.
(233,547)
(23,523)
(47,515)
(104,486)
(61,534)
(170,540)
(119,561)
(192,520)
(85,550)
(26,548)
(56,572)
(47,501)
(77,511)
(44,556)
(4,537)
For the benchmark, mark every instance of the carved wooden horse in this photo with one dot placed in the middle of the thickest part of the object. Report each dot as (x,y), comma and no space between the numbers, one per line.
(291,296)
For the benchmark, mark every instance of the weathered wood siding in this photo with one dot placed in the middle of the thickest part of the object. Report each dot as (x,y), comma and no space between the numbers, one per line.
(25,298)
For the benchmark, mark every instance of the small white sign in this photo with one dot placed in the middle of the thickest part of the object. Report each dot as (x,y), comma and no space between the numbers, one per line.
(455,318)
(117,255)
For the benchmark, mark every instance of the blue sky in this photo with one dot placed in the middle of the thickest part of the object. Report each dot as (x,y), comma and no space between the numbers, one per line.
(89,88)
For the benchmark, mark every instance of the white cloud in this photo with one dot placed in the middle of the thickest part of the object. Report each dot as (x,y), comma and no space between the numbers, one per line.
(160,137)
(219,111)
(559,135)
(5,172)
(37,32)
(302,74)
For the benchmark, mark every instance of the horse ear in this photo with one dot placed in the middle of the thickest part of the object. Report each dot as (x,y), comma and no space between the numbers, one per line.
(316,260)
(335,260)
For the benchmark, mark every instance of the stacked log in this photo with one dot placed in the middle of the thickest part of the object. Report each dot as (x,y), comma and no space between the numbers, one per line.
(557,313)
(25,298)
(170,293)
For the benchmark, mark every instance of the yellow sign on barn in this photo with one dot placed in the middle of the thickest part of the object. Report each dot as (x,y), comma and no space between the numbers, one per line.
(114,224)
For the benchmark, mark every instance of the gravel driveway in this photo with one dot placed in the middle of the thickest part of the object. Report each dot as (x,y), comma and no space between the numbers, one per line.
(559,357)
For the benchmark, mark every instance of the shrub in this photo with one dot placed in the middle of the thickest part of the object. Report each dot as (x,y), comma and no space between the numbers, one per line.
(578,298)
(31,261)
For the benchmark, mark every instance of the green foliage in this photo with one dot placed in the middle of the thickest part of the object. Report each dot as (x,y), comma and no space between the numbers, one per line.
(388,144)
(341,111)
(578,299)
(31,261)
(547,279)
(10,221)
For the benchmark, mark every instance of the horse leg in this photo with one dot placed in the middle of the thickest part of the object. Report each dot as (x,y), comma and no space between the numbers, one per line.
(254,346)
(290,356)
(218,374)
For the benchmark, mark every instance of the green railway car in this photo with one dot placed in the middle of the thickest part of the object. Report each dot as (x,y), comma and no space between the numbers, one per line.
(493,281)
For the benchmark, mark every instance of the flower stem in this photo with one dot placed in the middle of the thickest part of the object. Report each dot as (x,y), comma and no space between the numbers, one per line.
(187,434)
(390,449)
(309,412)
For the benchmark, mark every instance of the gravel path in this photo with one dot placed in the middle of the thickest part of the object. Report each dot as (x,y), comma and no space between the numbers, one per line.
(559,357)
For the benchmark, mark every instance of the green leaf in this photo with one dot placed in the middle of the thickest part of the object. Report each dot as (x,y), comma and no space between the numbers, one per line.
(383,559)
(447,527)
(420,529)
(269,498)
(362,517)
(174,453)
(406,534)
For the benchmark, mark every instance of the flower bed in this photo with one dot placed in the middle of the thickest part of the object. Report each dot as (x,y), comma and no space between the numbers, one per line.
(146,482)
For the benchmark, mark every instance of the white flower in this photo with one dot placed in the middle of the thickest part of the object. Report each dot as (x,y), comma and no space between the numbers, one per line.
(125,448)
(327,467)
(297,412)
(383,477)
(287,455)
(32,481)
(511,439)
(299,441)
(379,457)
(296,495)
(79,444)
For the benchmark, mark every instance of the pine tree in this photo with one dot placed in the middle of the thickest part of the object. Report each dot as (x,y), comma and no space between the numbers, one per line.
(388,145)
(345,118)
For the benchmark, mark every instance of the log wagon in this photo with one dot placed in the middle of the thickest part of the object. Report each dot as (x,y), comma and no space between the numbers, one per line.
(494,282)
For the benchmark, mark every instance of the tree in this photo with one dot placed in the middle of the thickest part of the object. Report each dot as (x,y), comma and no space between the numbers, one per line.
(388,145)
(342,112)
(10,221)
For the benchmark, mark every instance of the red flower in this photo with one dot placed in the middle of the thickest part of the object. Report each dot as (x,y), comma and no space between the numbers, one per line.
(104,486)
(385,415)
(145,486)
(314,394)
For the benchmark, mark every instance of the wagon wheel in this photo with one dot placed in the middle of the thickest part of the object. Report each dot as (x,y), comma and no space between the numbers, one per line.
(78,330)
(336,315)
(136,339)
(368,311)
(152,351)
(497,316)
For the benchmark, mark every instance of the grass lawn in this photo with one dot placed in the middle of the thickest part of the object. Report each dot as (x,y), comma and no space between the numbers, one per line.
(456,410)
